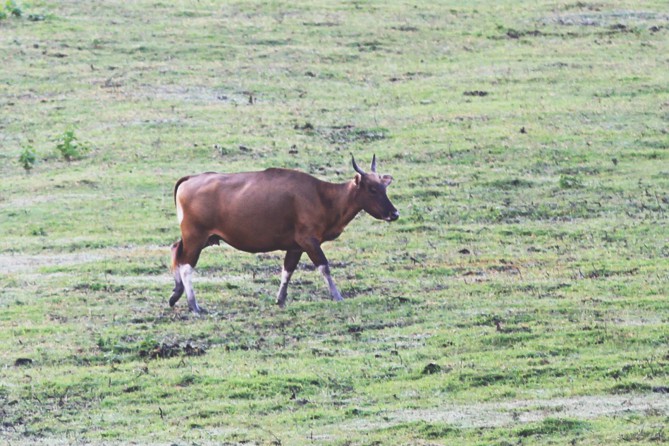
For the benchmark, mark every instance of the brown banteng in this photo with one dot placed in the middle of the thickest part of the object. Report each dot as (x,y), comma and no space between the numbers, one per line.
(276,209)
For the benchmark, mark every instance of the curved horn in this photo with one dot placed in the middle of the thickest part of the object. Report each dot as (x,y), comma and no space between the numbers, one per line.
(374,163)
(355,166)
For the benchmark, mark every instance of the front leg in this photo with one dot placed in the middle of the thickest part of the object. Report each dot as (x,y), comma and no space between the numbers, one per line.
(334,292)
(289,264)
(313,249)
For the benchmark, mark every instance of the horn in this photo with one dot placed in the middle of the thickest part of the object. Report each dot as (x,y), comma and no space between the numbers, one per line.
(374,163)
(355,166)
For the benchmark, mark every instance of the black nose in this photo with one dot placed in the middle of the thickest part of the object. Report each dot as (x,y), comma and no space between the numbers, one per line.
(394,215)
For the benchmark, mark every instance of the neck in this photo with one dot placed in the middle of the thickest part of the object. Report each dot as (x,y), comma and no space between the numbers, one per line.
(342,205)
(350,205)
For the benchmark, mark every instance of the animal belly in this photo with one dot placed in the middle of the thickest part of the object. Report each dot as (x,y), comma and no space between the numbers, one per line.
(250,237)
(255,219)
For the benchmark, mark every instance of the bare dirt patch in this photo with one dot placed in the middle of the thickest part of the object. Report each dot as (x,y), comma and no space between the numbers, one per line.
(493,415)
(15,263)
(195,93)
(614,20)
(526,411)
(12,263)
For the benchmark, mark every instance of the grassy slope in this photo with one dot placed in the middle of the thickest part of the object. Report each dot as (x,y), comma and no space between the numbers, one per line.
(555,182)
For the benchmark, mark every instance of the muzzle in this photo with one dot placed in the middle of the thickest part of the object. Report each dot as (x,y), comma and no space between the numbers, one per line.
(394,215)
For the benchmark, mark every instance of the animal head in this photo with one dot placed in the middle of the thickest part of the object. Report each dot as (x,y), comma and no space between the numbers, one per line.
(371,192)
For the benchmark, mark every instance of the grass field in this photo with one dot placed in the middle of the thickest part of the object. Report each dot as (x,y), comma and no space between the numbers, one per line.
(521,298)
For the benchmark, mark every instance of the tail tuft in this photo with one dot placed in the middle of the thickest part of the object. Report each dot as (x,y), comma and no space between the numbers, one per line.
(177,249)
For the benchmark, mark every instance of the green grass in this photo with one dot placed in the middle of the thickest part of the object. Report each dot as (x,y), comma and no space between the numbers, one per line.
(521,297)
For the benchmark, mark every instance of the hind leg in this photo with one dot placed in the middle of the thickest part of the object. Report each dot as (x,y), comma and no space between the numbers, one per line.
(178,290)
(186,272)
(186,257)
(289,264)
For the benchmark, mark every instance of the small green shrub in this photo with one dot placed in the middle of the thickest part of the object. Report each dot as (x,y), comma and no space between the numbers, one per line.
(70,147)
(28,158)
(10,7)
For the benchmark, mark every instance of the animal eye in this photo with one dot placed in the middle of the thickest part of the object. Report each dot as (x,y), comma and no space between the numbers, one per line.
(372,190)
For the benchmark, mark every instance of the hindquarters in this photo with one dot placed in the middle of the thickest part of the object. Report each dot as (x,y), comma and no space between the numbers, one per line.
(195,236)
(252,212)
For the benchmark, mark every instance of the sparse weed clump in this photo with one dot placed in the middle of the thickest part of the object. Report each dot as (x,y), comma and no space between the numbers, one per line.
(570,182)
(69,146)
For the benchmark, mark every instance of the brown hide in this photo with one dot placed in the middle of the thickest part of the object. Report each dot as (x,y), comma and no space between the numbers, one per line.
(264,211)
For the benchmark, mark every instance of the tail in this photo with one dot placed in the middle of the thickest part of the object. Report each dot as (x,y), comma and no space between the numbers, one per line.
(177,247)
(176,186)
(177,250)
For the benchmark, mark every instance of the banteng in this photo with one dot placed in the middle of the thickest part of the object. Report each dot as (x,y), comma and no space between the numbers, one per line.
(276,209)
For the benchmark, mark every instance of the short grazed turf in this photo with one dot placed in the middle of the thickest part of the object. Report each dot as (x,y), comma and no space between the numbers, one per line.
(521,298)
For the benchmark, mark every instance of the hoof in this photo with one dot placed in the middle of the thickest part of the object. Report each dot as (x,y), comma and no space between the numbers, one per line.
(281,297)
(176,295)
(199,310)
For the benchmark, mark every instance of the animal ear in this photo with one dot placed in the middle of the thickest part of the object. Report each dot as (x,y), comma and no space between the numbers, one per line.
(386,179)
(358,179)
